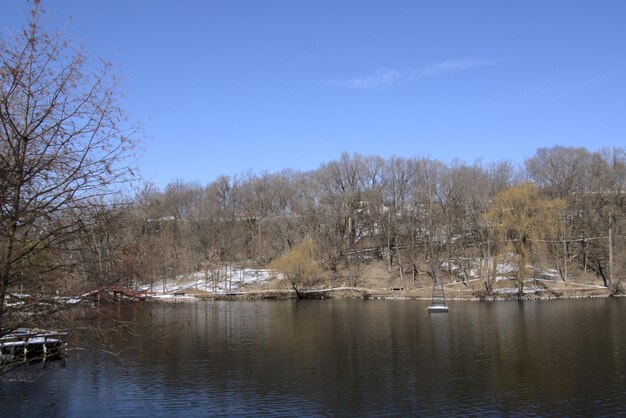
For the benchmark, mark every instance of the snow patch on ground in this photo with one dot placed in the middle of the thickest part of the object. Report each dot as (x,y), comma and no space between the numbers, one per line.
(469,268)
(513,290)
(229,279)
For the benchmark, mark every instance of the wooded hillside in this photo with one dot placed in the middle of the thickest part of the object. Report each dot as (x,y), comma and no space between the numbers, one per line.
(563,211)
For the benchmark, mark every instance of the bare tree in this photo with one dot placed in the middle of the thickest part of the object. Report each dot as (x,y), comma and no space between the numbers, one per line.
(399,179)
(62,144)
(558,170)
(604,221)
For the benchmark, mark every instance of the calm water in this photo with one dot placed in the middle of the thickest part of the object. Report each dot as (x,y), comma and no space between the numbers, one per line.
(340,358)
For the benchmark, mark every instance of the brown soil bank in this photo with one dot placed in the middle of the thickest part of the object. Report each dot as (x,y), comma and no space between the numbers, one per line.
(454,291)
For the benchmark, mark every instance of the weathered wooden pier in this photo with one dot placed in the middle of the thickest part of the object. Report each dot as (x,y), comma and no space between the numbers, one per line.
(27,344)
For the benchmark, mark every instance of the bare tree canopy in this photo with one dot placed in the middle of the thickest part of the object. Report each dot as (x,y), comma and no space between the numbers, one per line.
(376,221)
(63,142)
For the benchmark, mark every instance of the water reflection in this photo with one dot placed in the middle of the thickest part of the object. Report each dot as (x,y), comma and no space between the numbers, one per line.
(342,358)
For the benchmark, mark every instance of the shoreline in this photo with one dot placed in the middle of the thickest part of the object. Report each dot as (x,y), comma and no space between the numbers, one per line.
(389,294)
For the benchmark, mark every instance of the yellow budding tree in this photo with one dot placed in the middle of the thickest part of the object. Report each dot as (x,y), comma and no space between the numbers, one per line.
(299,266)
(521,219)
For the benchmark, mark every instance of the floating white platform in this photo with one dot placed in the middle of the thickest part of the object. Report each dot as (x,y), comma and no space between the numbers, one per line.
(438,309)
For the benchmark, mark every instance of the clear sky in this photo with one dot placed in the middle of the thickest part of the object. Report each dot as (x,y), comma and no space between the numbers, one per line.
(222,87)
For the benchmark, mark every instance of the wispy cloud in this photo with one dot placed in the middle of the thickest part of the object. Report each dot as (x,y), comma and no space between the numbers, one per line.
(453,66)
(384,78)
(377,79)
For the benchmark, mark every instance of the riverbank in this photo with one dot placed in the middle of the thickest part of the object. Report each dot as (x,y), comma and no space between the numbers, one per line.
(534,290)
(234,282)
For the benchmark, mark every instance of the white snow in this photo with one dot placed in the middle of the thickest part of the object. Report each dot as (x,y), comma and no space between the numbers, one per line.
(229,279)
(513,290)
(34,340)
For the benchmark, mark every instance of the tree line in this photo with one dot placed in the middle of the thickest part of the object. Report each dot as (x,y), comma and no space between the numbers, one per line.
(562,211)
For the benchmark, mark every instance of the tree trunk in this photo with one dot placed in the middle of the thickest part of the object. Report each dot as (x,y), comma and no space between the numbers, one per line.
(399,258)
(521,272)
(610,254)
(299,295)
(389,255)
(4,284)
(586,256)
(565,252)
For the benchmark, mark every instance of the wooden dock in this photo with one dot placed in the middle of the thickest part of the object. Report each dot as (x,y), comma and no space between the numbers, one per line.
(27,344)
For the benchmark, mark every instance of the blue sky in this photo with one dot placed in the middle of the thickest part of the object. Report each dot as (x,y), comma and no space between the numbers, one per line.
(222,87)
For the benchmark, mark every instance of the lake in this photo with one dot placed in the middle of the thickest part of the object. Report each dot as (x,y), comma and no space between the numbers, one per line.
(336,358)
